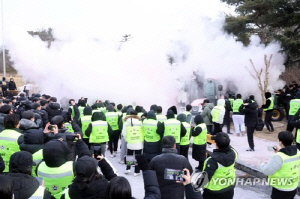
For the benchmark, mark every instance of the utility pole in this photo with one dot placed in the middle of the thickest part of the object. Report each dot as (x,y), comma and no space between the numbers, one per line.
(3,48)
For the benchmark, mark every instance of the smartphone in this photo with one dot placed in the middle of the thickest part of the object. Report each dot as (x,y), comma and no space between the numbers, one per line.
(271,148)
(51,127)
(173,174)
(97,151)
(130,160)
(71,137)
(39,179)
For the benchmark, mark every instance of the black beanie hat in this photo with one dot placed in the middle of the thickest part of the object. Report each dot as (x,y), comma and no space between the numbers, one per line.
(20,162)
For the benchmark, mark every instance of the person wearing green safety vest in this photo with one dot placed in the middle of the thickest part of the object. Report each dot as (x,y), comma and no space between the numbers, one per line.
(185,141)
(10,138)
(294,106)
(159,116)
(73,110)
(98,132)
(219,169)
(283,168)
(268,108)
(84,122)
(134,136)
(119,109)
(37,159)
(218,113)
(231,99)
(188,113)
(57,167)
(139,110)
(25,185)
(153,131)
(81,105)
(199,133)
(113,119)
(295,122)
(237,117)
(174,128)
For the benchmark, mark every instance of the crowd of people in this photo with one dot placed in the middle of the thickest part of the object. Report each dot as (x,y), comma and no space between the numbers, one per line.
(49,152)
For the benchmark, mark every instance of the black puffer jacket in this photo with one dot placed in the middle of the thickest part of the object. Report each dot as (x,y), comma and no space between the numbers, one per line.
(251,114)
(53,109)
(227,111)
(26,124)
(33,140)
(225,157)
(171,160)
(152,149)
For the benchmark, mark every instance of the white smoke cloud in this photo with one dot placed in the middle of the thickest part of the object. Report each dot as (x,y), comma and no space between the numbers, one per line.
(88,59)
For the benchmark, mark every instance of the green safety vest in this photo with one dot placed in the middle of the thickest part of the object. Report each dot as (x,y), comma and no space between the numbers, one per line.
(187,113)
(201,138)
(271,105)
(66,192)
(102,109)
(216,113)
(85,121)
(236,105)
(56,178)
(69,127)
(99,132)
(294,106)
(37,159)
(231,100)
(223,177)
(287,177)
(185,140)
(173,128)
(81,108)
(150,127)
(134,134)
(73,112)
(39,193)
(112,118)
(8,145)
(161,118)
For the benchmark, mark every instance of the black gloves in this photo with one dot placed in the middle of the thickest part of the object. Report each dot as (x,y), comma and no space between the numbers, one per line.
(142,162)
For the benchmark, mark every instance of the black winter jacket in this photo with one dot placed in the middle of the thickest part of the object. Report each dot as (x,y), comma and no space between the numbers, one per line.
(225,157)
(251,114)
(33,140)
(171,160)
(53,110)
(25,186)
(12,85)
(2,116)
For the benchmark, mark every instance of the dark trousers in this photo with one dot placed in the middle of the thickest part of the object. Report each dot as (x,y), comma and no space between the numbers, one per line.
(209,129)
(200,166)
(225,195)
(268,118)
(276,194)
(217,128)
(114,141)
(250,131)
(131,152)
(178,148)
(289,127)
(227,125)
(184,150)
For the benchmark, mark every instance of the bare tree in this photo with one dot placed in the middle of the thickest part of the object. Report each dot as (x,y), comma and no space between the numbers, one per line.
(257,75)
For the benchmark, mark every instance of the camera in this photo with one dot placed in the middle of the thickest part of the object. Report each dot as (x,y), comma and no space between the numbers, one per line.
(174,174)
(71,137)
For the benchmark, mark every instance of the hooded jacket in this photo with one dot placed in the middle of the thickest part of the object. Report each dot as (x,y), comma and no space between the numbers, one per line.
(96,117)
(86,111)
(251,114)
(152,149)
(96,188)
(33,140)
(199,151)
(24,185)
(2,116)
(268,102)
(170,115)
(225,157)
(110,108)
(206,113)
(53,109)
(221,106)
(26,124)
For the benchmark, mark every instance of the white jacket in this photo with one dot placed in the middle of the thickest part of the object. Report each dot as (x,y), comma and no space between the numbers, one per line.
(127,121)
(221,107)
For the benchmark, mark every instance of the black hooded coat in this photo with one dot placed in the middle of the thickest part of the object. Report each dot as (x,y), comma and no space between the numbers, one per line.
(53,109)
